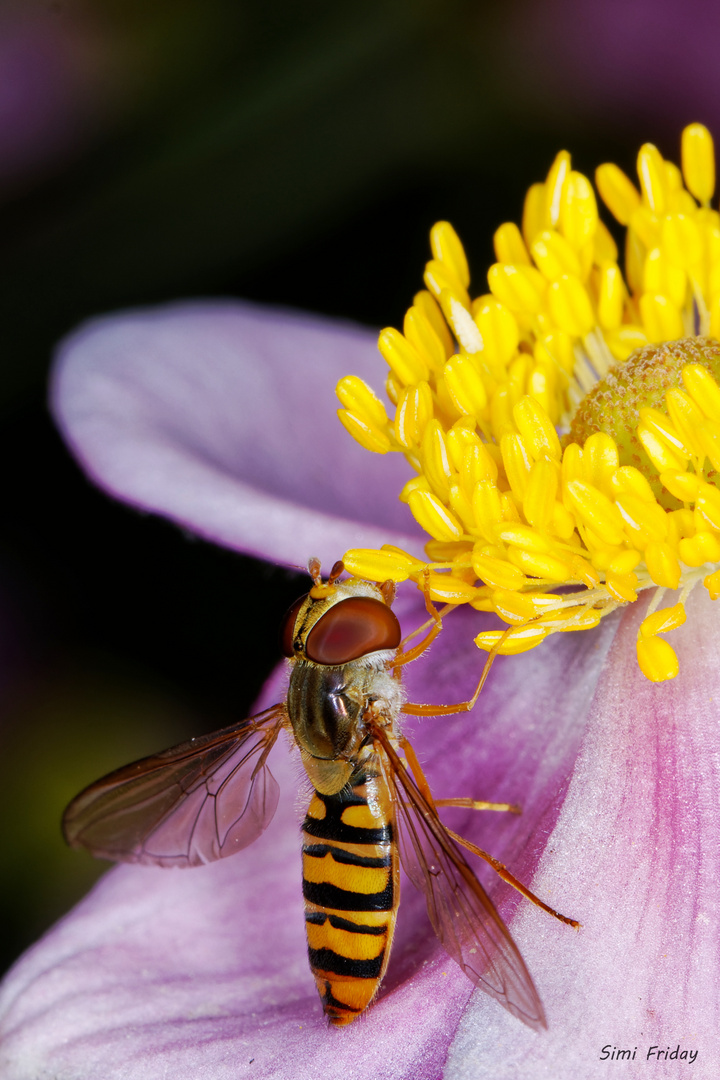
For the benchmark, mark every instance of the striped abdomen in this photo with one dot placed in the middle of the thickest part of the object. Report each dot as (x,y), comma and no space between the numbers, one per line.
(351,889)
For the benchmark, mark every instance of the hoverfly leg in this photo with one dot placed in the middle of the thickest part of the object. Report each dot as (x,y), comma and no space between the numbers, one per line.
(499,868)
(480,804)
(433,625)
(416,770)
(421,781)
(461,706)
(502,871)
(463,803)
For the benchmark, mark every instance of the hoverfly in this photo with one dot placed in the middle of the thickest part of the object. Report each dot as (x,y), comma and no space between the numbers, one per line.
(371,807)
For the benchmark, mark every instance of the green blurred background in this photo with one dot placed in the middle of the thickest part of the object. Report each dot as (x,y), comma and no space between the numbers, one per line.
(287,152)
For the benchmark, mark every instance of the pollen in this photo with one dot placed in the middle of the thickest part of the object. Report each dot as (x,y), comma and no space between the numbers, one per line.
(562,426)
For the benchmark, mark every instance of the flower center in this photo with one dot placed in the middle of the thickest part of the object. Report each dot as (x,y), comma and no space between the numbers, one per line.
(623,363)
(615,405)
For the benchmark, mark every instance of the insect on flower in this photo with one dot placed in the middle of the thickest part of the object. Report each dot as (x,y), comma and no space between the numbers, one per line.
(371,808)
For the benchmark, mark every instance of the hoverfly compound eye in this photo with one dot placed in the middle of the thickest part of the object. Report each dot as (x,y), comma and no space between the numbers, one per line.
(287,628)
(351,629)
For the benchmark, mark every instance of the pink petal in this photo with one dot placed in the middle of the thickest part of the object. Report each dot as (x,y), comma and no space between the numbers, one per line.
(221,416)
(635,855)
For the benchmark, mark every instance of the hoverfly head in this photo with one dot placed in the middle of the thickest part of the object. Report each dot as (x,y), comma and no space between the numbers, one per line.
(340,621)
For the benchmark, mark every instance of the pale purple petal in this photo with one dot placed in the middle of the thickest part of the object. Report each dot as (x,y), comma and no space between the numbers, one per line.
(221,416)
(520,742)
(193,973)
(635,855)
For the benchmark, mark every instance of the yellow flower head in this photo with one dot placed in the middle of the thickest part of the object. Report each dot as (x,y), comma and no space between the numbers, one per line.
(564,428)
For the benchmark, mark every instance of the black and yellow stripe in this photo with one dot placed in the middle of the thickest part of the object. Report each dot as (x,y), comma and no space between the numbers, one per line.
(351,890)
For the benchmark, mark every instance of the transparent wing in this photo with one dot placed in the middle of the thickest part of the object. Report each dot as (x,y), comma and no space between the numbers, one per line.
(462,915)
(199,801)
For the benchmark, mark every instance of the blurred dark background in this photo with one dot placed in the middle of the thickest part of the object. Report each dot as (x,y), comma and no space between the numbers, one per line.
(294,153)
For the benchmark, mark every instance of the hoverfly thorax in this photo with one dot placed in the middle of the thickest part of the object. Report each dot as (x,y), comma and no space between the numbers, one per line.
(339,639)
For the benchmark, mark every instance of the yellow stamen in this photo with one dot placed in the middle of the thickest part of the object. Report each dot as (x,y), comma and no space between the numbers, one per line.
(364,432)
(657,659)
(618,192)
(404,360)
(661,621)
(698,162)
(564,426)
(509,244)
(413,414)
(433,517)
(447,248)
(387,564)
